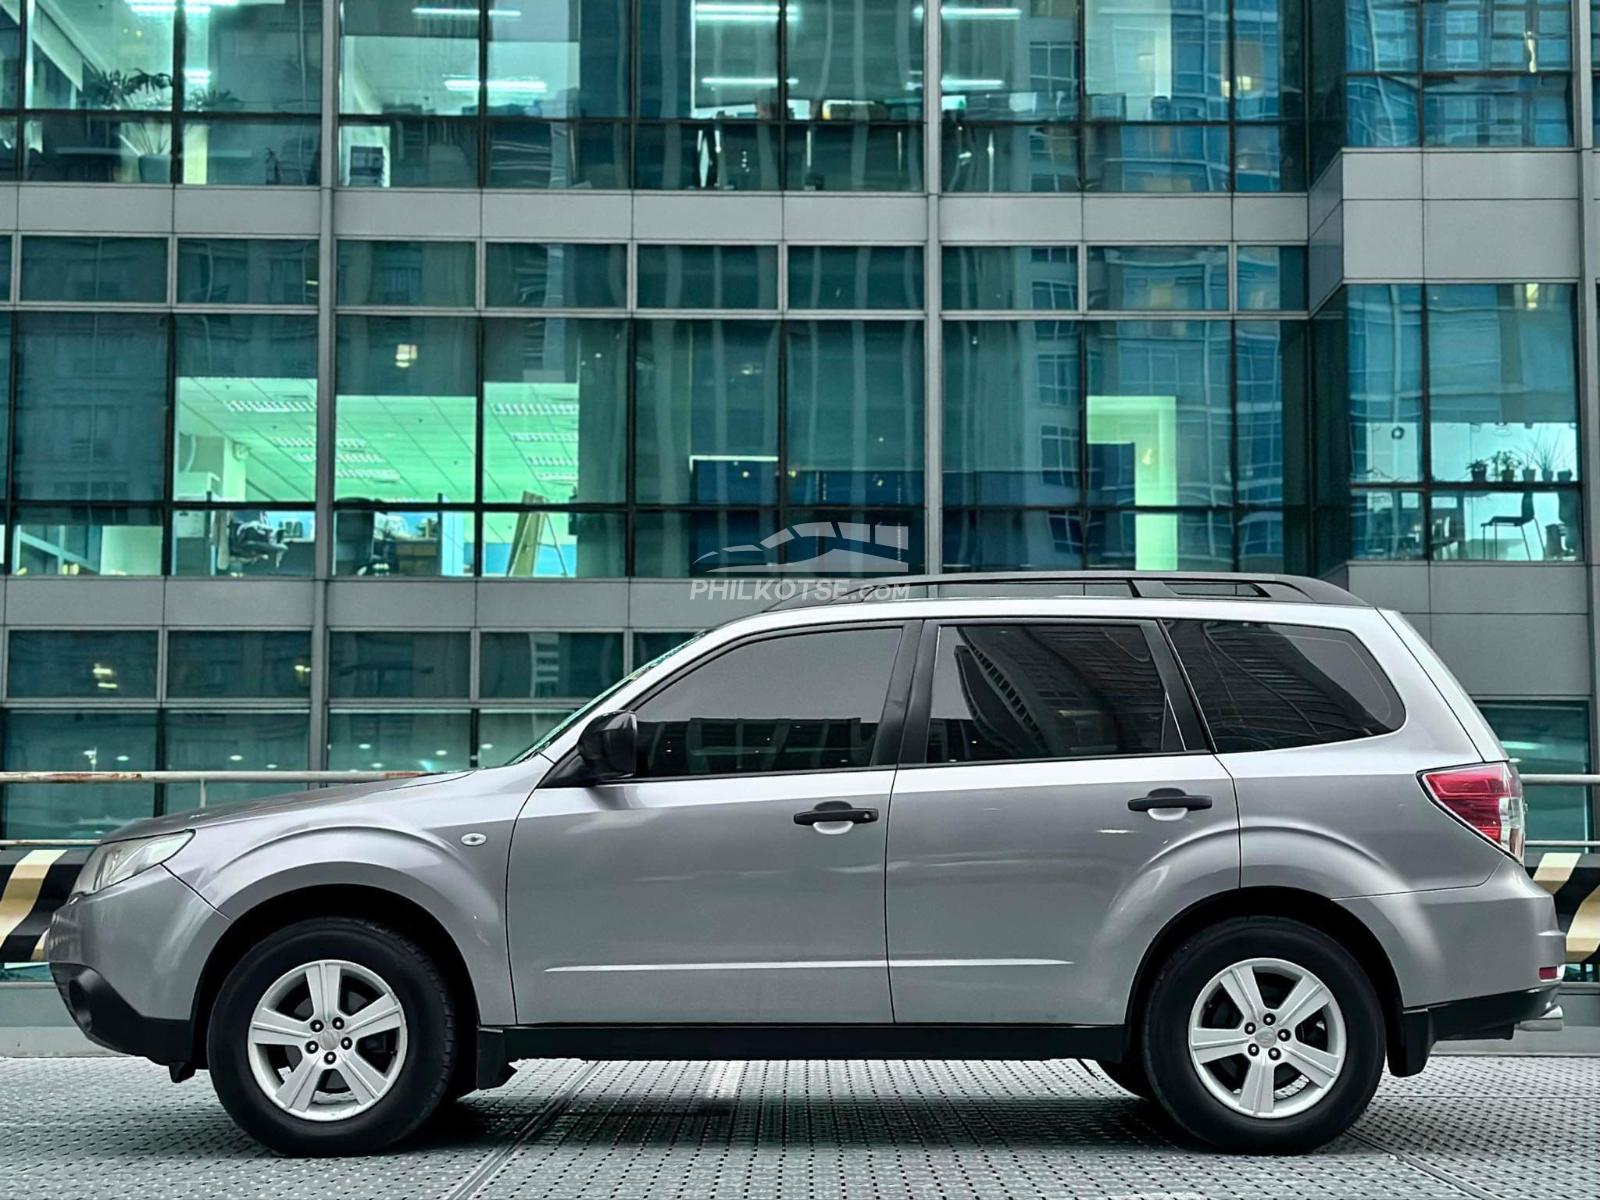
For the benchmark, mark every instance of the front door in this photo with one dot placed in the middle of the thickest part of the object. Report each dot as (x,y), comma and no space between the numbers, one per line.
(714,886)
(1062,811)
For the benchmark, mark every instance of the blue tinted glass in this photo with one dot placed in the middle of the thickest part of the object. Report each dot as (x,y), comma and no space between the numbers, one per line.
(1019,278)
(1155,158)
(1011,539)
(1389,525)
(1497,35)
(247,271)
(1269,158)
(1269,58)
(1158,278)
(1385,378)
(1381,111)
(1380,35)
(855,277)
(1523,526)
(434,274)
(543,666)
(1160,541)
(261,58)
(90,269)
(1005,67)
(1010,158)
(92,741)
(708,276)
(250,153)
(1153,60)
(542,275)
(97,664)
(1547,738)
(1272,278)
(1517,110)
(1270,415)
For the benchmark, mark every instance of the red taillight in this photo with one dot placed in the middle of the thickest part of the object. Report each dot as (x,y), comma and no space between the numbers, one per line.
(1486,797)
(1549,974)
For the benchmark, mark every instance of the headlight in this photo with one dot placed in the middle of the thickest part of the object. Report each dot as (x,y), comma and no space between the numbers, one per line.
(117,861)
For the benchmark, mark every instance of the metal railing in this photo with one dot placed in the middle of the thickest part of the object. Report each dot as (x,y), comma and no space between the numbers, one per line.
(1585,845)
(202,778)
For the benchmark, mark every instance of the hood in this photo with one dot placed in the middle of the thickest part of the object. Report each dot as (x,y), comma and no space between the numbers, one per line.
(200,818)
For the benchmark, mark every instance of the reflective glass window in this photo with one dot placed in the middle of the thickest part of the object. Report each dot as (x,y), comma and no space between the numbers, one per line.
(1271,411)
(1508,526)
(94,269)
(371,666)
(268,152)
(1387,524)
(1159,426)
(1269,47)
(253,58)
(247,408)
(87,147)
(677,545)
(100,56)
(525,153)
(1013,539)
(555,275)
(1381,110)
(1269,158)
(78,540)
(1521,110)
(1385,382)
(706,430)
(426,543)
(708,58)
(399,741)
(853,157)
(403,151)
(52,740)
(1009,62)
(238,664)
(854,429)
(91,406)
(1155,158)
(1381,35)
(247,271)
(545,665)
(855,277)
(1153,60)
(1158,278)
(1160,541)
(1503,382)
(10,51)
(1547,738)
(407,408)
(504,736)
(244,542)
(1497,35)
(554,416)
(1010,158)
(427,274)
(559,60)
(1021,278)
(853,60)
(99,664)
(651,644)
(708,276)
(232,741)
(1272,278)
(409,58)
(552,544)
(707,155)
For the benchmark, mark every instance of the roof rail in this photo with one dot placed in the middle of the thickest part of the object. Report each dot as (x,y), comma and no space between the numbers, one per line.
(1145,585)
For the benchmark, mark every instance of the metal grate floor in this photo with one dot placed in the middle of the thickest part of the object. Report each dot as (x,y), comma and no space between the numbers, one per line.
(1467,1127)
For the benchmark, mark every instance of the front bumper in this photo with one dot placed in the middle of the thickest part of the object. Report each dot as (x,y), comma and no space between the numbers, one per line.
(108,1020)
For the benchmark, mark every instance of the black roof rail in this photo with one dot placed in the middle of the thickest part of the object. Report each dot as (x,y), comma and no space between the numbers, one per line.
(1145,585)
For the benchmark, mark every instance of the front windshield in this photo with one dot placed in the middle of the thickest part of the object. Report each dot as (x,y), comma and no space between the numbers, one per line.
(599,701)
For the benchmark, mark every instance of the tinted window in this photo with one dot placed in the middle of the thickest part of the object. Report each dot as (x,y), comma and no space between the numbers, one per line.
(1268,687)
(99,664)
(806,702)
(1017,692)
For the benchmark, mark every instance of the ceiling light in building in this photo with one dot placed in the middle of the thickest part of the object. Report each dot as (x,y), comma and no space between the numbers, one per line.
(537,408)
(165,8)
(739,12)
(445,10)
(235,758)
(739,81)
(502,87)
(268,406)
(963,12)
(405,353)
(951,83)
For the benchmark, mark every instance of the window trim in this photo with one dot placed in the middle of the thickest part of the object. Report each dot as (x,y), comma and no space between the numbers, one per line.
(914,738)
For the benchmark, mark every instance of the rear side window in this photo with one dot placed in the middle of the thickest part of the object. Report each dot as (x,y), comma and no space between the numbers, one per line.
(1270,687)
(1009,693)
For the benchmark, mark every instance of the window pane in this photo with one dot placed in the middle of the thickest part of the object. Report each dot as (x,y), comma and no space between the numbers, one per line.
(708,277)
(77,741)
(707,425)
(93,664)
(855,412)
(557,154)
(1009,693)
(70,147)
(10,52)
(853,158)
(1520,110)
(1155,158)
(1385,382)
(1503,386)
(1380,35)
(407,409)
(1272,277)
(5,416)
(1272,412)
(1021,278)
(431,274)
(88,57)
(853,59)
(386,542)
(559,60)
(1158,278)
(736,156)
(504,736)
(264,58)
(1269,48)
(1152,60)
(1010,158)
(247,271)
(371,666)
(1003,62)
(543,666)
(1160,424)
(1525,526)
(5,261)
(244,542)
(409,152)
(247,408)
(649,645)
(238,664)
(1270,687)
(399,741)
(1497,35)
(546,275)
(855,277)
(1012,412)
(1269,158)
(676,545)
(1160,541)
(87,541)
(91,406)
(94,269)
(232,741)
(546,544)
(1547,739)
(555,411)
(252,153)
(1013,539)
(727,718)
(1388,525)
(402,58)
(705,58)
(1381,111)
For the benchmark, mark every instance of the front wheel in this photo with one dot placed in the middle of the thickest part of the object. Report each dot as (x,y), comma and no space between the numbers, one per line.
(332,1036)
(1263,1035)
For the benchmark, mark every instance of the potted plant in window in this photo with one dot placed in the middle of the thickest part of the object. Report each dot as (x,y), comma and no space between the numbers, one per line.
(1504,463)
(120,91)
(1478,469)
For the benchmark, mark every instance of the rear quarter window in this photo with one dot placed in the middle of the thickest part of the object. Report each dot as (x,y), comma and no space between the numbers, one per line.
(1273,687)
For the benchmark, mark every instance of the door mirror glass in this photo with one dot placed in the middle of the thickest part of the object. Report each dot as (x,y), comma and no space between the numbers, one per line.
(609,745)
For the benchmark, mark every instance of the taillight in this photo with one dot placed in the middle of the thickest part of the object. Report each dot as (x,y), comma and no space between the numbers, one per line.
(1486,797)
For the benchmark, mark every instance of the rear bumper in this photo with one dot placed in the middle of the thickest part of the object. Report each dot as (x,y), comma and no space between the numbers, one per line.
(108,1020)
(1495,1016)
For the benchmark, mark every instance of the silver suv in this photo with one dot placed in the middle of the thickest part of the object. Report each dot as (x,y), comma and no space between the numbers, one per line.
(1239,841)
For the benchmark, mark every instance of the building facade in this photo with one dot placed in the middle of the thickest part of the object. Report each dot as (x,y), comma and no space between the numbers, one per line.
(386,377)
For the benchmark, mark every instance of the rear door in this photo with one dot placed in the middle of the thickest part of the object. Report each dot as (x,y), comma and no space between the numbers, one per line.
(1055,807)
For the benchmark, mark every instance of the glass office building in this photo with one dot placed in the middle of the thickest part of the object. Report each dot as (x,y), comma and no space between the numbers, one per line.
(383,376)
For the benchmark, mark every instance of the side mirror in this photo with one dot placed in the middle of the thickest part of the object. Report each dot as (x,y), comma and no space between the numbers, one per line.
(609,745)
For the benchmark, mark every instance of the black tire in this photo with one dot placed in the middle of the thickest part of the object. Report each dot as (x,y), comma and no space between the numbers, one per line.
(1128,1075)
(432,1036)
(1175,1079)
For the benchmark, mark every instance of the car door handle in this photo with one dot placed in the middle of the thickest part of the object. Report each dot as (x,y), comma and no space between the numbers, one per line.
(822,815)
(1168,798)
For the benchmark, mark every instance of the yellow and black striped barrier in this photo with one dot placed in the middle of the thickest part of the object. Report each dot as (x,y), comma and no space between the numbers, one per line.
(1573,878)
(33,884)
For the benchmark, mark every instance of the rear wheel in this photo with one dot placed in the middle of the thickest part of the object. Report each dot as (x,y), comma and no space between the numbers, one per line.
(1263,1035)
(332,1036)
